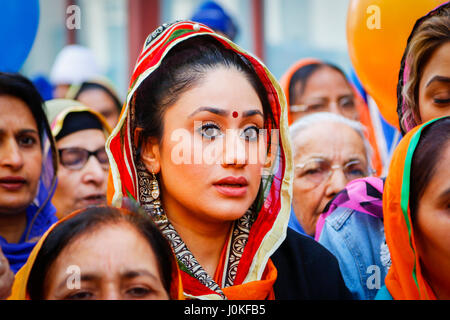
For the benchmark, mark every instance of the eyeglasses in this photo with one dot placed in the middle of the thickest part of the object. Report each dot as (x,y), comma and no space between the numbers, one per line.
(76,158)
(318,170)
(345,104)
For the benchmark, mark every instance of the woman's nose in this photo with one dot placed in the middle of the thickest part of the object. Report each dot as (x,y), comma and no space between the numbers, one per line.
(235,153)
(335,183)
(110,292)
(94,173)
(10,155)
(334,108)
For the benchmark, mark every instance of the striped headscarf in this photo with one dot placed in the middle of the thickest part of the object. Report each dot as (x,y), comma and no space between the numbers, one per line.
(246,264)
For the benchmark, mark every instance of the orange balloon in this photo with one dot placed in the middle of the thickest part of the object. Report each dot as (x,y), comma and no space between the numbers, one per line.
(377,33)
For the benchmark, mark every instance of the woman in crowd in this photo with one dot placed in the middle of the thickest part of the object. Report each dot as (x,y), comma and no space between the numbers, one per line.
(80,135)
(314,86)
(329,151)
(100,253)
(198,110)
(416,207)
(99,95)
(27,169)
(362,200)
(424,80)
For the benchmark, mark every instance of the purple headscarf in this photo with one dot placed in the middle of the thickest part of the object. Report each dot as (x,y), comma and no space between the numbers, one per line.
(363,195)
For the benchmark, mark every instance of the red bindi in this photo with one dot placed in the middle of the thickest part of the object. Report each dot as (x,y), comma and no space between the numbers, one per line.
(235,114)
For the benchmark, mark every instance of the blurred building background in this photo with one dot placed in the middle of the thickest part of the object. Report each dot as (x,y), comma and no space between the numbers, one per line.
(278,31)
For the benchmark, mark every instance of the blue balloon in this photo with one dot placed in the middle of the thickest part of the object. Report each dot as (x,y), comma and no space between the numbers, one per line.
(19,22)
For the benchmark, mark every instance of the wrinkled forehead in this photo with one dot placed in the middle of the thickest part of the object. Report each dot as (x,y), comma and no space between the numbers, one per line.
(328,140)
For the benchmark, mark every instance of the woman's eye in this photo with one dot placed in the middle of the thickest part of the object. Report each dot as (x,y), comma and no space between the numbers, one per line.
(347,103)
(316,107)
(441,101)
(81,295)
(355,171)
(27,141)
(251,133)
(210,131)
(313,171)
(138,292)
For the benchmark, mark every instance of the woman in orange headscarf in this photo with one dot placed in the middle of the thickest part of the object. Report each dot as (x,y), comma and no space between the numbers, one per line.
(100,253)
(416,212)
(311,85)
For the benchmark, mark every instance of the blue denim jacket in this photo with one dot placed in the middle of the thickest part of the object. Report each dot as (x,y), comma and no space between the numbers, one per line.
(357,240)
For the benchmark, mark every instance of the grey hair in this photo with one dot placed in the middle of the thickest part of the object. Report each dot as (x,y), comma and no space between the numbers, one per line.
(319,118)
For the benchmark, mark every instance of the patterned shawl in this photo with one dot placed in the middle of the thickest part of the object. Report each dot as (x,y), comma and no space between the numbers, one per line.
(404,279)
(405,115)
(246,269)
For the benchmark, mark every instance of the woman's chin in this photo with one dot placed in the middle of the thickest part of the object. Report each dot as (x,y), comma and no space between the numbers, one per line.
(228,209)
(12,207)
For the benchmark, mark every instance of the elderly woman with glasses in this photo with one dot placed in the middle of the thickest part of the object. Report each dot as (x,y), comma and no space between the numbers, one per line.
(80,135)
(329,151)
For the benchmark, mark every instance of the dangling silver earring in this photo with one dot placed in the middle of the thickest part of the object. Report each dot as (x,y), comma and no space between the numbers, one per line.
(157,210)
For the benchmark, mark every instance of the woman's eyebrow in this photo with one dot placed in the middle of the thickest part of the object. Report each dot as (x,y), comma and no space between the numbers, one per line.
(90,277)
(439,79)
(316,156)
(223,112)
(253,112)
(347,95)
(355,157)
(28,131)
(22,131)
(444,195)
(220,112)
(130,274)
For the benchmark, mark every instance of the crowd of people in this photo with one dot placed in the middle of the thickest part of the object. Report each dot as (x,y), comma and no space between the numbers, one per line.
(215,180)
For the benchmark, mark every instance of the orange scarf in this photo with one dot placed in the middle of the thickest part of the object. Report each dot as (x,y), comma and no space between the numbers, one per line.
(404,280)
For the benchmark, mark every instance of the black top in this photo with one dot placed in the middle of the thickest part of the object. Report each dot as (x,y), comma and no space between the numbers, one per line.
(307,270)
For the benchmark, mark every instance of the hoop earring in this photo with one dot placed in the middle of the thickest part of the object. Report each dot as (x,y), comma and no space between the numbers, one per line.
(158,214)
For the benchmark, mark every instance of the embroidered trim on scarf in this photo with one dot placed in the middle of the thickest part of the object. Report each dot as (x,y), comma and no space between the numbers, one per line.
(239,238)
